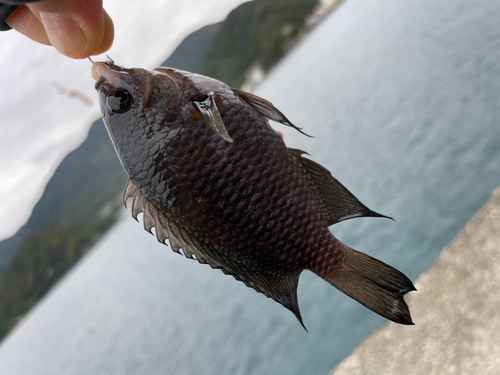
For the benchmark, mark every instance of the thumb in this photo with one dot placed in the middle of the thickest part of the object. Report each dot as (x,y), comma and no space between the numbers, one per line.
(76,28)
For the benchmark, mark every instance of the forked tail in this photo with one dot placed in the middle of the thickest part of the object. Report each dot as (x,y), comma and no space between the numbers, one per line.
(372,283)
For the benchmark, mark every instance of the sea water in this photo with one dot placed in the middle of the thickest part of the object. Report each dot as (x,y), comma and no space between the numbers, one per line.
(403,101)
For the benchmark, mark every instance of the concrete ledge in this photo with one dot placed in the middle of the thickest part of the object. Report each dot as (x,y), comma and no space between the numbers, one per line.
(456,311)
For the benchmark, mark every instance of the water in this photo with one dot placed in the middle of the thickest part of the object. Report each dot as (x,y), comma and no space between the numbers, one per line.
(403,98)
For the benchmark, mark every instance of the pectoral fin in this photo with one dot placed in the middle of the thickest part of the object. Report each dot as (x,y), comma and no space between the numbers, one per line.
(340,202)
(267,109)
(211,114)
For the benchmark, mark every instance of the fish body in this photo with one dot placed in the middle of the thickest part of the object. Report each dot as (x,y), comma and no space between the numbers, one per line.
(212,176)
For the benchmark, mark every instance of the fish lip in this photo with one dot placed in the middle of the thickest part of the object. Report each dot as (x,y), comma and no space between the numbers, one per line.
(114,76)
(99,83)
(113,66)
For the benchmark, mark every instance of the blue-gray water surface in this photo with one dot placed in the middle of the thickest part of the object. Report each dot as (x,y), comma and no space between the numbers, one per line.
(403,100)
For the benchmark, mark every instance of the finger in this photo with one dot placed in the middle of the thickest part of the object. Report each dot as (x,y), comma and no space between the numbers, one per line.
(25,22)
(75,28)
(109,34)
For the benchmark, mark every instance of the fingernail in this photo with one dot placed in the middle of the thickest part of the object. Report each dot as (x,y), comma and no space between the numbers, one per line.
(64,33)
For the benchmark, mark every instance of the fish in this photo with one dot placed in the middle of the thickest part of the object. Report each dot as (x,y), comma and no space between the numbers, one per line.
(210,174)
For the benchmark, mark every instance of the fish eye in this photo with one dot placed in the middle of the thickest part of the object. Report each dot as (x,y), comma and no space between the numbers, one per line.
(119,101)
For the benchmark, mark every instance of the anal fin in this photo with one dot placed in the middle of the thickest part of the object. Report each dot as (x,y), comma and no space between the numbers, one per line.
(340,203)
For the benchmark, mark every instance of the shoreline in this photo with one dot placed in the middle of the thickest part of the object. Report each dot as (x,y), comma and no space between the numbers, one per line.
(456,311)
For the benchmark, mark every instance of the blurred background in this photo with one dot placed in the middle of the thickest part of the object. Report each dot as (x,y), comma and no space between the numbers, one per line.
(403,101)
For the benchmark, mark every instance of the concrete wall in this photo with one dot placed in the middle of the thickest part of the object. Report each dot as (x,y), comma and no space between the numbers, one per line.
(456,311)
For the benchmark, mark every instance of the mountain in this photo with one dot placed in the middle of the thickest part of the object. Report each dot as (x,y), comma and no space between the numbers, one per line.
(82,199)
(255,33)
(82,187)
(190,53)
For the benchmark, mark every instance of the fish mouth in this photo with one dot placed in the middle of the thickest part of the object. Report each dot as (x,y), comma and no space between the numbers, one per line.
(113,75)
(99,83)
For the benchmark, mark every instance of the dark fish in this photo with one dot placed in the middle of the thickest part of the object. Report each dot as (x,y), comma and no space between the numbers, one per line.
(212,176)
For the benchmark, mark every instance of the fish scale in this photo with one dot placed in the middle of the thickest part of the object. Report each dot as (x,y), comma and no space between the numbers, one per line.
(212,176)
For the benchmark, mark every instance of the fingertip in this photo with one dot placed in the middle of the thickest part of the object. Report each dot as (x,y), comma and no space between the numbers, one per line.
(75,28)
(109,35)
(65,34)
(99,39)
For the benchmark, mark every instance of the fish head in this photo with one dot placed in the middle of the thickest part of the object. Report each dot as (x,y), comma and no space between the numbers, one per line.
(130,96)
(136,105)
(144,108)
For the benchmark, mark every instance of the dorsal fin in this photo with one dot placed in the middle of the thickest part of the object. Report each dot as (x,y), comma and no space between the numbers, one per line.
(266,108)
(164,228)
(282,289)
(341,204)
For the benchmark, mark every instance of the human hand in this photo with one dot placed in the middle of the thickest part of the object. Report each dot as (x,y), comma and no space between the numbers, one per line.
(76,28)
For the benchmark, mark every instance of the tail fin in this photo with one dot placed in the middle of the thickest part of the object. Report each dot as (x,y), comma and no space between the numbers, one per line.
(374,284)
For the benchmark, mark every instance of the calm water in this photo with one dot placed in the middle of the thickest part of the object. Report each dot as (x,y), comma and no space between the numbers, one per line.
(403,98)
